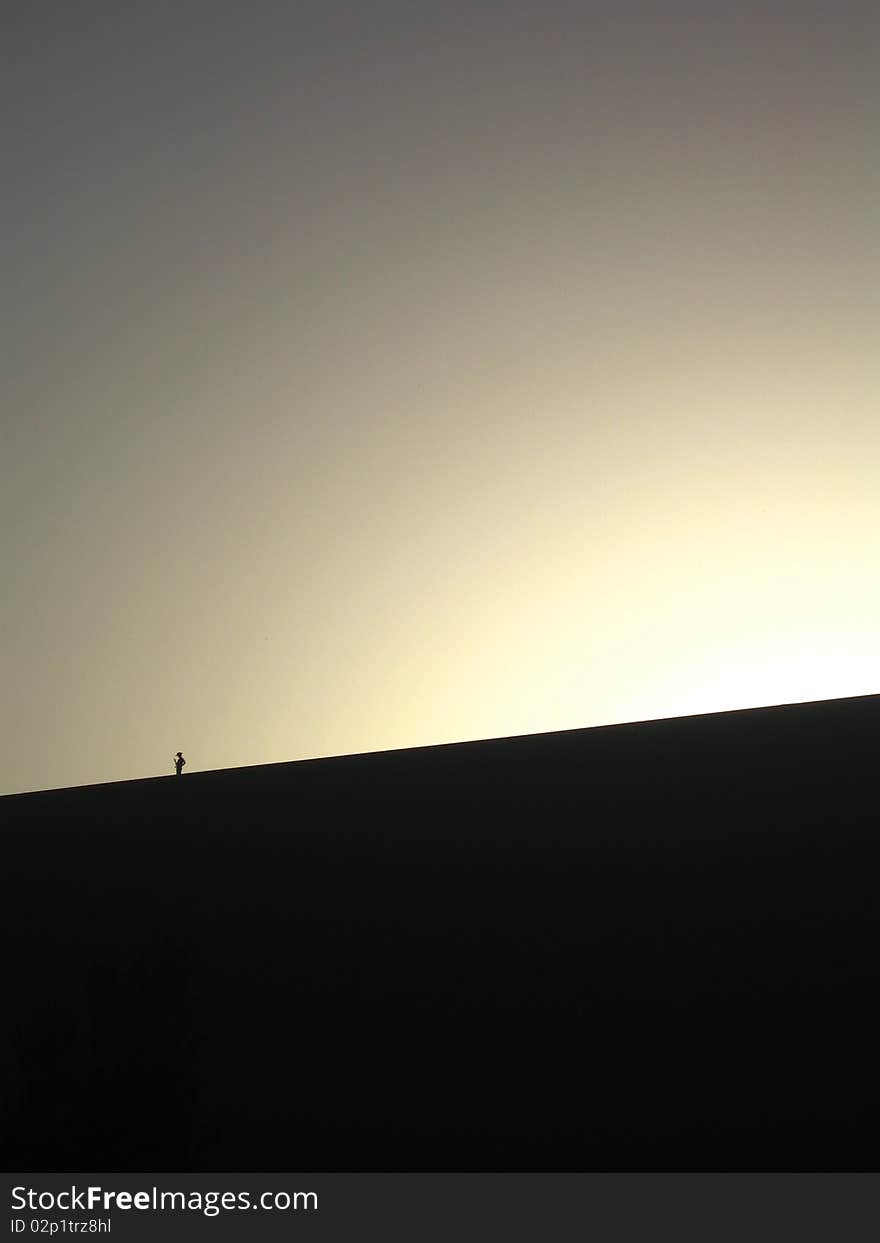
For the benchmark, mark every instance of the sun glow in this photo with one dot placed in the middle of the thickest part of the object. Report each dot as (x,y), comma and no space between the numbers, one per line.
(807,665)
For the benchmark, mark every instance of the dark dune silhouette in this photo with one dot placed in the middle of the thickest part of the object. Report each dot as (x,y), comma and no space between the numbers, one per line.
(649,946)
(115,1056)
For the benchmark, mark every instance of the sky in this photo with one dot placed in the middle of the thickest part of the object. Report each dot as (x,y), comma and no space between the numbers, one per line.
(379,375)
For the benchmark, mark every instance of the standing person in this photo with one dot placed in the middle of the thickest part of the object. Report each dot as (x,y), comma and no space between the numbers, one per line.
(179,763)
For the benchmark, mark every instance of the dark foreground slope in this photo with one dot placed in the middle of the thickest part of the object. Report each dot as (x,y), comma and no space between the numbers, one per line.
(642,946)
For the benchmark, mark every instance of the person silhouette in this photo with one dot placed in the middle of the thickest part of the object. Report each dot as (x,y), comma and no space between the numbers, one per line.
(179,763)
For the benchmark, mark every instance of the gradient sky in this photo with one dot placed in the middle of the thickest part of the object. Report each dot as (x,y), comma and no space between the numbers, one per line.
(380,374)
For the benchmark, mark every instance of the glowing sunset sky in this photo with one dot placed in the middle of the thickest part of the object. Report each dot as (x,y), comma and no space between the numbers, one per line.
(393,373)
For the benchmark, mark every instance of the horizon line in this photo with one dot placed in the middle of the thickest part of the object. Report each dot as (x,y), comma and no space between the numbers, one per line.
(461,742)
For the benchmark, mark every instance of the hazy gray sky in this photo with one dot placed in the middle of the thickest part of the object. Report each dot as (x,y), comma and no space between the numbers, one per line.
(394,373)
